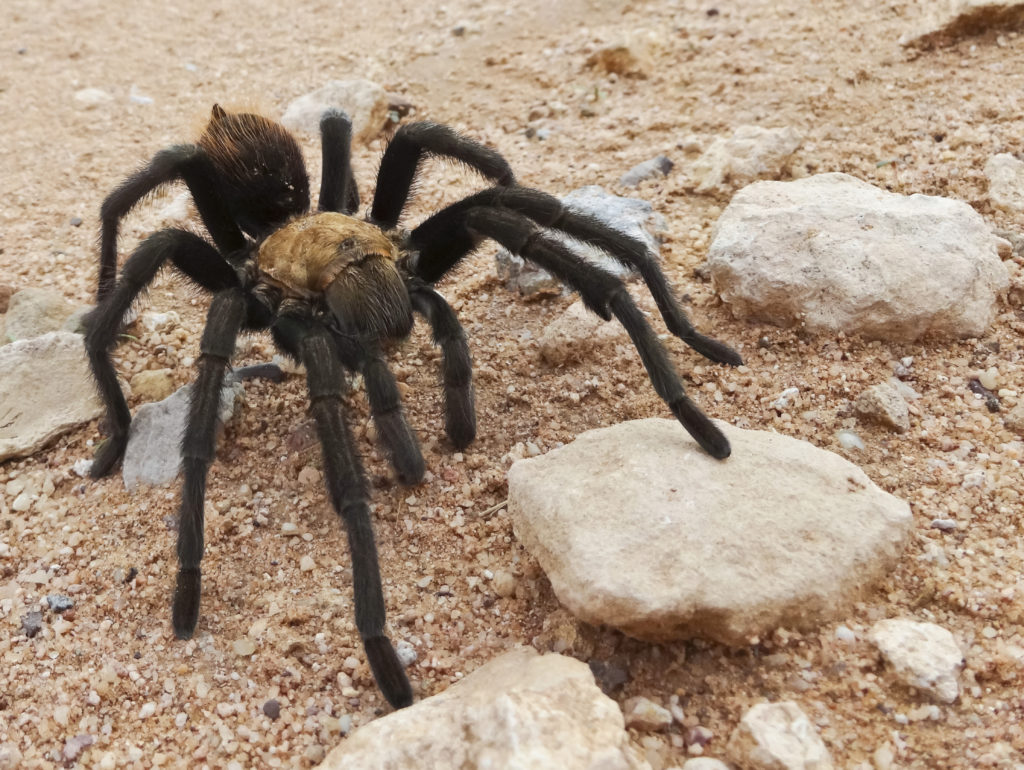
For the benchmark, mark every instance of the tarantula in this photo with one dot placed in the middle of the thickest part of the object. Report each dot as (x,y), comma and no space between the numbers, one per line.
(332,288)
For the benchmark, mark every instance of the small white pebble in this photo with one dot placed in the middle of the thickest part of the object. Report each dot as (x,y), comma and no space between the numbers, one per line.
(225,709)
(846,635)
(180,719)
(306,563)
(147,710)
(244,647)
(289,528)
(351,663)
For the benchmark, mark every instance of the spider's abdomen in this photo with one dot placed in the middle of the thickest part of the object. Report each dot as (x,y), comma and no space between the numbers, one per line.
(349,262)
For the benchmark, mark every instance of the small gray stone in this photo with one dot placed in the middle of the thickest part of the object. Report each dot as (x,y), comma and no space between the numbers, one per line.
(649,169)
(59,602)
(272,708)
(73,747)
(633,216)
(153,454)
(32,623)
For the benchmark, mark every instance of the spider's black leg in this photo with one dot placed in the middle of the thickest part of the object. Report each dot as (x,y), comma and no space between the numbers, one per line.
(386,405)
(601,291)
(402,157)
(187,162)
(338,191)
(347,487)
(223,322)
(456,366)
(548,211)
(193,256)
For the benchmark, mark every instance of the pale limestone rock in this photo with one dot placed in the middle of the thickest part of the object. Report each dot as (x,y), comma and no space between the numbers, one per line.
(34,311)
(752,152)
(644,714)
(633,216)
(46,390)
(153,454)
(949,20)
(921,655)
(883,404)
(778,736)
(1005,182)
(638,529)
(1014,419)
(705,763)
(832,253)
(575,334)
(521,711)
(153,384)
(365,102)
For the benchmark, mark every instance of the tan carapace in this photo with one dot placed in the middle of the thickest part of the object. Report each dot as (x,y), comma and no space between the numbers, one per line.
(349,262)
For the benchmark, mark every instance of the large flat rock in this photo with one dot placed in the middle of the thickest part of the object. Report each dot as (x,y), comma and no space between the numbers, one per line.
(638,529)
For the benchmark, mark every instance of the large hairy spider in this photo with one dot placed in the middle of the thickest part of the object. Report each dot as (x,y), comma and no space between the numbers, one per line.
(331,288)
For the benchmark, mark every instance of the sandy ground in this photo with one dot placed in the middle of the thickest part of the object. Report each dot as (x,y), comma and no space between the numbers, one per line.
(111,668)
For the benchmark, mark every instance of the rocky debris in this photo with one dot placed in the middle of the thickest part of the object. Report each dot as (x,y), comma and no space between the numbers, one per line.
(638,529)
(154,321)
(365,102)
(34,311)
(644,714)
(153,454)
(45,391)
(6,292)
(73,747)
(705,763)
(1014,419)
(91,98)
(778,736)
(618,59)
(575,334)
(832,253)
(1005,182)
(520,711)
(153,384)
(59,603)
(272,708)
(752,152)
(924,656)
(649,169)
(883,404)
(633,216)
(32,623)
(944,23)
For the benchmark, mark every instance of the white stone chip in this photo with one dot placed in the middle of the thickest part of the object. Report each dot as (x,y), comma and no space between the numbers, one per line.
(921,655)
(521,711)
(778,736)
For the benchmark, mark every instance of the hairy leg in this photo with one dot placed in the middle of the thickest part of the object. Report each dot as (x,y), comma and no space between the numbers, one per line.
(187,162)
(338,191)
(411,143)
(190,254)
(223,322)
